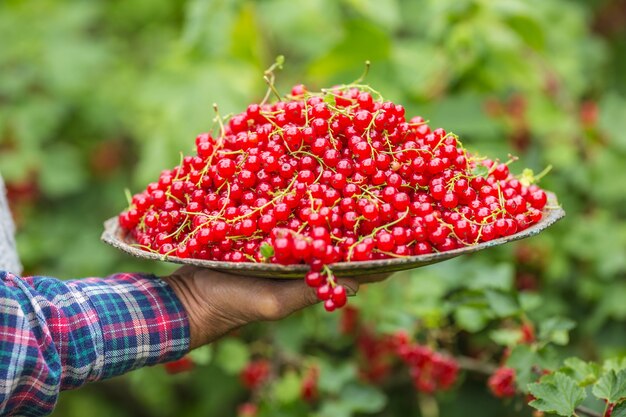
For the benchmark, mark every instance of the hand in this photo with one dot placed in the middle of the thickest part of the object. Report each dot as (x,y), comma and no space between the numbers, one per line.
(218,303)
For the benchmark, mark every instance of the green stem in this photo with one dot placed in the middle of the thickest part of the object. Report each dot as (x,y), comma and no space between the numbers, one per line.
(376,230)
(366,70)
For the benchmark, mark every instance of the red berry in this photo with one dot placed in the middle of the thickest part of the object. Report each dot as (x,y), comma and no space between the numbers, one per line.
(324,292)
(184,364)
(314,279)
(329,305)
(502,382)
(538,199)
(339,296)
(255,374)
(226,168)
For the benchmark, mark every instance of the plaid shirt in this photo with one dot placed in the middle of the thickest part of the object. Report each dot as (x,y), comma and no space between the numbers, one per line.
(57,335)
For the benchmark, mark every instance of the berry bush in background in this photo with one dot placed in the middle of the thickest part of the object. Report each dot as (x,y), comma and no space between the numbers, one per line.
(100,96)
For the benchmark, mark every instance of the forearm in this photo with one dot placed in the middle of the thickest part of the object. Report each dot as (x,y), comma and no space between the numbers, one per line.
(59,335)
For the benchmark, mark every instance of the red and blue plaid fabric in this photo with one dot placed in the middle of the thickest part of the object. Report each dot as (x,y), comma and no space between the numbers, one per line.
(58,335)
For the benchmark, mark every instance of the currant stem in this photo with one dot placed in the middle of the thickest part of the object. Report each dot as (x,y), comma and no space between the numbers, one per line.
(366,70)
(270,83)
(129,197)
(543,173)
(219,120)
(269,77)
(374,232)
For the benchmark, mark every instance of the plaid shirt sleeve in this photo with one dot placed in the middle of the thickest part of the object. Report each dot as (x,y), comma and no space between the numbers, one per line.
(57,335)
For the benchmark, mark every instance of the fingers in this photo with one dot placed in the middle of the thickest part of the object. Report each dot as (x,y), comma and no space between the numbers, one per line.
(249,299)
(217,303)
(350,284)
(292,295)
(254,299)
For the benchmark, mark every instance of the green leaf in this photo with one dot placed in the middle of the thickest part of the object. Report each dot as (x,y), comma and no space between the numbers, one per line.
(334,408)
(470,318)
(611,386)
(528,30)
(556,393)
(616,364)
(556,330)
(330,99)
(585,373)
(267,250)
(484,276)
(287,389)
(363,398)
(232,355)
(522,359)
(530,301)
(506,337)
(202,355)
(333,378)
(503,304)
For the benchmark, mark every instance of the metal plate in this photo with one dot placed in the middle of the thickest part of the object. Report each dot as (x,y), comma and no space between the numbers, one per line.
(115,236)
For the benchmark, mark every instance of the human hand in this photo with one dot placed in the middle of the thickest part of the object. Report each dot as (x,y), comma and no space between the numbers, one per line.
(217,303)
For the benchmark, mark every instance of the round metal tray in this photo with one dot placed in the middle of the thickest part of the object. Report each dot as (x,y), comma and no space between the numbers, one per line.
(116,237)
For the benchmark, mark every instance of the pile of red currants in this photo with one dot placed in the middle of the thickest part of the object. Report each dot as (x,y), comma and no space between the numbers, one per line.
(324,177)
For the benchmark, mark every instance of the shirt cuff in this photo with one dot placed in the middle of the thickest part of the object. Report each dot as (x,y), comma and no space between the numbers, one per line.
(140,322)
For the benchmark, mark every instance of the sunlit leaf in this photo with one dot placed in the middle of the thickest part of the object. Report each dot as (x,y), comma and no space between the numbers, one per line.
(556,393)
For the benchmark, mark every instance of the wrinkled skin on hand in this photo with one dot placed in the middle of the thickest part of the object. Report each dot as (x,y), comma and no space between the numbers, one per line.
(218,303)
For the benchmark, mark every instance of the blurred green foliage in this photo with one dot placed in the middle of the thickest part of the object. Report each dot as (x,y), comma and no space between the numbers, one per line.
(99,96)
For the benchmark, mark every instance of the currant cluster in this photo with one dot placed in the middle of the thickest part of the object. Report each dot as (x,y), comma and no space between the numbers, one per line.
(430,370)
(349,321)
(377,355)
(255,374)
(502,382)
(323,177)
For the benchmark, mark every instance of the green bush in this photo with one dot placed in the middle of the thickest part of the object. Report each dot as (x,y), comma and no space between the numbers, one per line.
(99,96)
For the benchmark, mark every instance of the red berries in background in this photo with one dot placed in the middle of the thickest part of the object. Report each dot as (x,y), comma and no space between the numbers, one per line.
(247,410)
(528,333)
(502,382)
(184,364)
(328,177)
(430,370)
(309,391)
(255,374)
